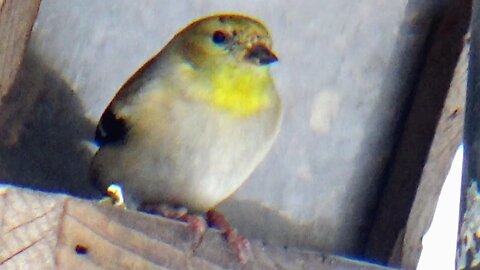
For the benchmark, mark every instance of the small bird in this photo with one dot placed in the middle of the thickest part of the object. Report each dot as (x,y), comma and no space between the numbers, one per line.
(190,126)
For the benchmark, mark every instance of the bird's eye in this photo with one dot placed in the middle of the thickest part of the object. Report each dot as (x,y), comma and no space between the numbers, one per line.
(219,37)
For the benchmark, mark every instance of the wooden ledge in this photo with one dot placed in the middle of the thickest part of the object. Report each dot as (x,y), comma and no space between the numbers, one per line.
(52,231)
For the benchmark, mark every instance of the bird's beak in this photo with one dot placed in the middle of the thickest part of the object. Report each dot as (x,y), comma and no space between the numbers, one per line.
(261,55)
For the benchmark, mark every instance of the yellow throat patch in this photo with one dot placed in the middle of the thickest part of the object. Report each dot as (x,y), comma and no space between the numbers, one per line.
(243,91)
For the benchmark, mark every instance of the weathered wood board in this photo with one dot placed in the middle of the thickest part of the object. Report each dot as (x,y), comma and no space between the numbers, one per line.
(432,131)
(49,231)
(448,136)
(16,22)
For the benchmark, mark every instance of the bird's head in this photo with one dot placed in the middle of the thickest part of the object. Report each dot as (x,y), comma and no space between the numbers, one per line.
(223,60)
(222,39)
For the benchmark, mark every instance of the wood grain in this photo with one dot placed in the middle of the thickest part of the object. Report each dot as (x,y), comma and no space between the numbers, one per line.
(16,21)
(50,231)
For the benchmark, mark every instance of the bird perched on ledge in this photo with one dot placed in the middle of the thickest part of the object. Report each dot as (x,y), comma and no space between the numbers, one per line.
(190,126)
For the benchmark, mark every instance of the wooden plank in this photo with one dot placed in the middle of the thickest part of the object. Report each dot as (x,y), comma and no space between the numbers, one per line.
(16,22)
(407,165)
(48,231)
(468,248)
(448,136)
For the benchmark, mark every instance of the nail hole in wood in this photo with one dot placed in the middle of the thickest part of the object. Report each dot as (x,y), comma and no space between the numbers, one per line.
(81,250)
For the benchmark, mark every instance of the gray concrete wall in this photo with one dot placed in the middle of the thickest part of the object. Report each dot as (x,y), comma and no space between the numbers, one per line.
(336,76)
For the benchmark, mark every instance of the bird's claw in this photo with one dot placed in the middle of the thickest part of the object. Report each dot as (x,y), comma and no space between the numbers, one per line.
(199,227)
(239,244)
(197,223)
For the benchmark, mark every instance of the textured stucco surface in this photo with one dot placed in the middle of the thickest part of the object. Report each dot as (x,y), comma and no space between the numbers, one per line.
(337,61)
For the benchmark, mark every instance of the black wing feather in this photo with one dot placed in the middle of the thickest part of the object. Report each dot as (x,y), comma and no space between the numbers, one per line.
(110,129)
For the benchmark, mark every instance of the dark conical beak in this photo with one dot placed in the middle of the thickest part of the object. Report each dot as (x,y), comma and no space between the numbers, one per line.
(261,55)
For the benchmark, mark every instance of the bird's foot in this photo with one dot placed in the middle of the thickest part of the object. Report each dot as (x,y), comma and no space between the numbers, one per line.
(195,222)
(115,197)
(239,244)
(199,227)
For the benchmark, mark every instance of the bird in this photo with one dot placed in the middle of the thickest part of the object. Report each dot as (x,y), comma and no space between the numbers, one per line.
(190,126)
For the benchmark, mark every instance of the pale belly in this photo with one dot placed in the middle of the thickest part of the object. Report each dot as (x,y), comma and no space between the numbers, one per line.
(196,162)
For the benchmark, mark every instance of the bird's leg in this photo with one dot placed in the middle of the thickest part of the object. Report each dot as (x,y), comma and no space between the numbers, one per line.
(239,243)
(195,222)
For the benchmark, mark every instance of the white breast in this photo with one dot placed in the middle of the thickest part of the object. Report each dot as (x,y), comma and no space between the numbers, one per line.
(188,154)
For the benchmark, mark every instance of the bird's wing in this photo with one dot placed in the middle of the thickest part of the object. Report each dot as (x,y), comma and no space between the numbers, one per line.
(111,128)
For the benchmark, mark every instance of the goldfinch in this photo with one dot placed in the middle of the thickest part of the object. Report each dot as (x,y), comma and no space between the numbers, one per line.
(190,126)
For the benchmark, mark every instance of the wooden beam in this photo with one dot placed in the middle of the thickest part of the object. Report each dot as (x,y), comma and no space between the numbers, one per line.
(16,22)
(448,136)
(49,231)
(407,165)
(468,248)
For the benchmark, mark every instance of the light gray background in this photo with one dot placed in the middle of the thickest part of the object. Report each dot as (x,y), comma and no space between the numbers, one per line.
(317,187)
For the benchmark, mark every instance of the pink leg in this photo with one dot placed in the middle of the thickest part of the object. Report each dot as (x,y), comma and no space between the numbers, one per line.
(240,244)
(195,222)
